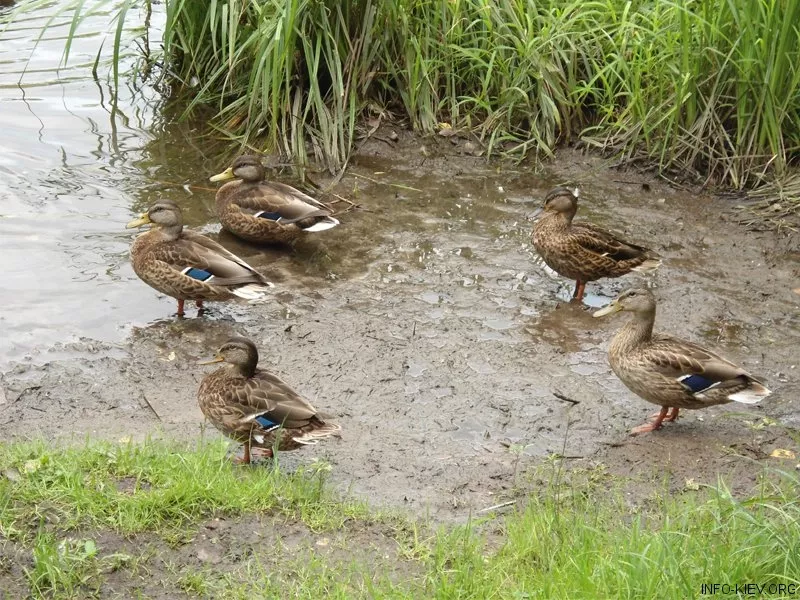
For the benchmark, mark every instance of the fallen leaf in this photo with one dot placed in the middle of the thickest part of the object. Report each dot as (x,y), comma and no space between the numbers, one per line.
(446,130)
(691,484)
(781,453)
(323,541)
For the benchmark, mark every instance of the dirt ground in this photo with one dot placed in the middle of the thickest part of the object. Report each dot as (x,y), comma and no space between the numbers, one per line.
(425,326)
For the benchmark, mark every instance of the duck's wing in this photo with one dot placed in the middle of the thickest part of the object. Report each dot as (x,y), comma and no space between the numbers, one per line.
(279,201)
(695,367)
(269,402)
(604,243)
(297,195)
(203,259)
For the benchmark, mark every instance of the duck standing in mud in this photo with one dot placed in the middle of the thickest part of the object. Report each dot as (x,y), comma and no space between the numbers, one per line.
(256,408)
(582,251)
(188,265)
(266,212)
(671,372)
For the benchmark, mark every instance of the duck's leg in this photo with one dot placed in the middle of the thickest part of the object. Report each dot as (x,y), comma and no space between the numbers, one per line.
(263,452)
(180,308)
(656,424)
(245,460)
(577,295)
(672,416)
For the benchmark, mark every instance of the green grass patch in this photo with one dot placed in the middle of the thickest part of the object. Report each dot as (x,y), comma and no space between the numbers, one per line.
(579,538)
(152,487)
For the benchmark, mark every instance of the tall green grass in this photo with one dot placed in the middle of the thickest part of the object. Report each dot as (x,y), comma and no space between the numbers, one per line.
(710,87)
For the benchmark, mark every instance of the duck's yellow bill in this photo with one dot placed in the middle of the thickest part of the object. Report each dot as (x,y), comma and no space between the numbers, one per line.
(608,310)
(225,175)
(216,359)
(143,219)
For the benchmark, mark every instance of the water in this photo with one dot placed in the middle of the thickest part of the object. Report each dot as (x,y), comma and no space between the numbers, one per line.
(68,179)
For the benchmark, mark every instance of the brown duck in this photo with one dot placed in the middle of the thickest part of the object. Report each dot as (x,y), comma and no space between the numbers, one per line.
(256,408)
(582,251)
(671,372)
(188,265)
(266,212)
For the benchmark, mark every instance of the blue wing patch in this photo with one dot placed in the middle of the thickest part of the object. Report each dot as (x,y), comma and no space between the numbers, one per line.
(266,423)
(198,274)
(697,383)
(272,216)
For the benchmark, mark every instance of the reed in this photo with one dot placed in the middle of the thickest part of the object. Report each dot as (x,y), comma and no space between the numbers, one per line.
(706,87)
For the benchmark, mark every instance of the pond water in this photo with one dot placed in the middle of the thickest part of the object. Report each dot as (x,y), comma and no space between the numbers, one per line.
(70,172)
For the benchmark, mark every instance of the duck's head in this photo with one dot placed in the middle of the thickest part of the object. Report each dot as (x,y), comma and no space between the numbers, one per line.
(162,214)
(636,300)
(238,352)
(562,200)
(247,168)
(559,200)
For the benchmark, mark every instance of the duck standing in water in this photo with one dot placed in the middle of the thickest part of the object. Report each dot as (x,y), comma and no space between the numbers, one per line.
(668,371)
(582,251)
(266,212)
(256,408)
(188,265)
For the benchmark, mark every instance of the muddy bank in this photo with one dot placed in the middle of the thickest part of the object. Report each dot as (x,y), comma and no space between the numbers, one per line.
(426,327)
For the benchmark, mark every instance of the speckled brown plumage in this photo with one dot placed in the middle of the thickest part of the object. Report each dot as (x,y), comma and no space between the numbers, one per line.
(239,203)
(256,408)
(672,372)
(582,251)
(160,256)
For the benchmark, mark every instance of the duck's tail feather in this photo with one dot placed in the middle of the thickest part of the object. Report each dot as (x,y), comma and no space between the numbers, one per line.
(327,223)
(315,435)
(754,393)
(252,291)
(650,264)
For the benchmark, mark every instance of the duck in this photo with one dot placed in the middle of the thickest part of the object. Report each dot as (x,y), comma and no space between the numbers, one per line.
(187,265)
(266,212)
(254,407)
(583,251)
(671,372)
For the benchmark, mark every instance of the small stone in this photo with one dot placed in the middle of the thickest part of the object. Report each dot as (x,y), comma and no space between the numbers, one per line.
(205,556)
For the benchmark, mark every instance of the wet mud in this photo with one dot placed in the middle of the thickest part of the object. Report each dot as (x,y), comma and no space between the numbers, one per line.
(427,327)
